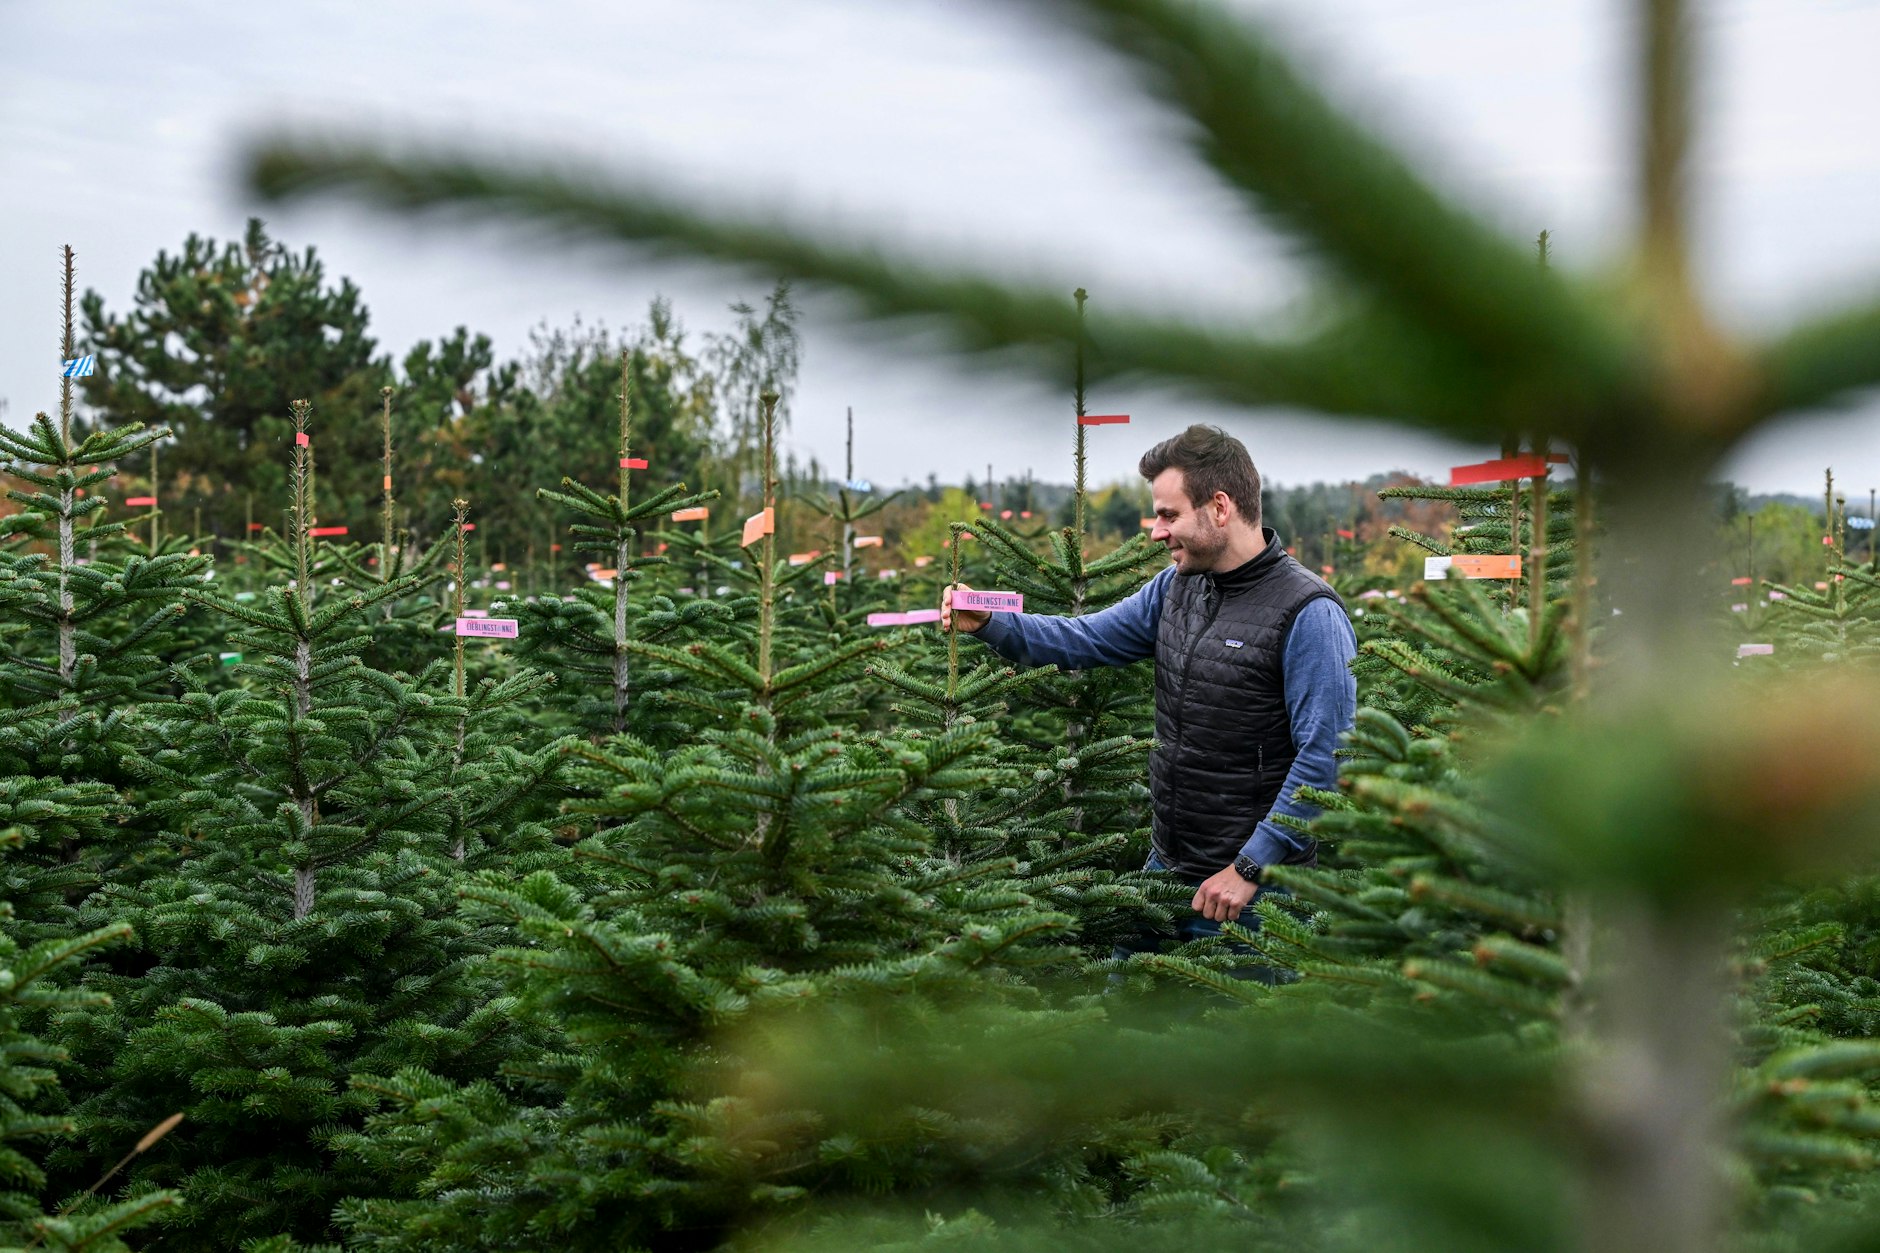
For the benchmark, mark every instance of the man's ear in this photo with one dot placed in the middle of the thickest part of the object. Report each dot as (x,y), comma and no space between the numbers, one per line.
(1223,506)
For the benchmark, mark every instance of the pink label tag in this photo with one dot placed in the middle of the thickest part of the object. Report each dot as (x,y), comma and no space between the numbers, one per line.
(1755,650)
(990,602)
(499,628)
(914,616)
(884,619)
(831,577)
(300,439)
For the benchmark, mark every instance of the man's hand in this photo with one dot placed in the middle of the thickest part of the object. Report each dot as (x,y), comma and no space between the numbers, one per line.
(970,619)
(1222,897)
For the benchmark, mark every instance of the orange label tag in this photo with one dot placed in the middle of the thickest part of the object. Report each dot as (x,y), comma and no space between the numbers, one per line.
(867,541)
(1486,566)
(388,482)
(758,525)
(697,513)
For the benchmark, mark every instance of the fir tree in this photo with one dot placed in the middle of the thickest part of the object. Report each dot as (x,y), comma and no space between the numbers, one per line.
(768,864)
(303,928)
(589,636)
(94,620)
(29,988)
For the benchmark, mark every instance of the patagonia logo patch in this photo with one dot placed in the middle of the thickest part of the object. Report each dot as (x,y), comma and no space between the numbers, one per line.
(1233,643)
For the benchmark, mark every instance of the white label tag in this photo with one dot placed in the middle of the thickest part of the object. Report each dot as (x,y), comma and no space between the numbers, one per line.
(1435,568)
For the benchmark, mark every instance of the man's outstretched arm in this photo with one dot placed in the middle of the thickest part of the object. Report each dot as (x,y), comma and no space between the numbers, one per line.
(1116,636)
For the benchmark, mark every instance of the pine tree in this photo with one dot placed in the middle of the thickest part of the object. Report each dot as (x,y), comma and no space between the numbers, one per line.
(767,864)
(262,325)
(590,636)
(94,623)
(1095,720)
(29,988)
(303,927)
(1835,620)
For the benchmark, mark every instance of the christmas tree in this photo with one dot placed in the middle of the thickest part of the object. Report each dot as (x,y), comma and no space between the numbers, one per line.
(300,927)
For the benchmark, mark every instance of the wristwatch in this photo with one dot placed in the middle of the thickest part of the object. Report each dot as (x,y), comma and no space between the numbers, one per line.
(1249,869)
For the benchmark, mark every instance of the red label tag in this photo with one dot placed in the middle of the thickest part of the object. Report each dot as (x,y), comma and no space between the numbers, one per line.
(1486,566)
(1742,582)
(1530,466)
(1103,419)
(140,502)
(633,463)
(1344,534)
(300,439)
(326,530)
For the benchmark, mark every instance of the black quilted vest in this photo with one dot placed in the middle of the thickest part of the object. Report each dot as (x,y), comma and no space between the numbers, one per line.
(1223,736)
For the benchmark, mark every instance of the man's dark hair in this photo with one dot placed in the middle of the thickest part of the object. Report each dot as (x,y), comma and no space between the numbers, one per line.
(1211,461)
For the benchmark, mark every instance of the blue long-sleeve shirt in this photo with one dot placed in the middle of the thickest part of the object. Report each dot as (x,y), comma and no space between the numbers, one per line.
(1321,694)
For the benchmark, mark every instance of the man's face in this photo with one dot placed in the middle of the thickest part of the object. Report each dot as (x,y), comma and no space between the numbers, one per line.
(1195,536)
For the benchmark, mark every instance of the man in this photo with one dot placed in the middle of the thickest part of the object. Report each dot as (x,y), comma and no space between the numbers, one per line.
(1252,680)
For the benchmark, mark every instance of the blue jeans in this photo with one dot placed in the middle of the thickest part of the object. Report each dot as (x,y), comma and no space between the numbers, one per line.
(1191,926)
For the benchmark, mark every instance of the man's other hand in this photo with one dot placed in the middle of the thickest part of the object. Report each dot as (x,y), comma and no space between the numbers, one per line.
(1222,897)
(970,619)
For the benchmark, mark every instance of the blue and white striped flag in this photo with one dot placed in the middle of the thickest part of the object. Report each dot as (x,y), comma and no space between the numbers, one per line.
(80,367)
(859,485)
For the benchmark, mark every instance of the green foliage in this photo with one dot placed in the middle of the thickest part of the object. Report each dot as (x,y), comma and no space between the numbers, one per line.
(810,978)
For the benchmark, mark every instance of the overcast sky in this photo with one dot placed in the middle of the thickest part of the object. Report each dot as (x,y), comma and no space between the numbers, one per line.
(959,125)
